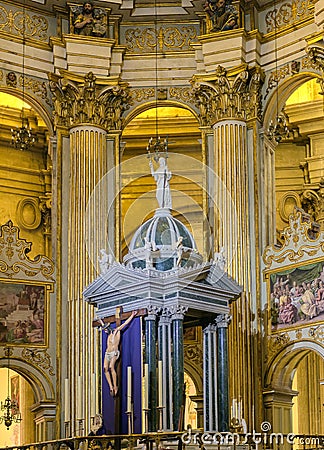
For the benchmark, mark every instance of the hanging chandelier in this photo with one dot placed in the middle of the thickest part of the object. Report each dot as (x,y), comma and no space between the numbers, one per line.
(9,408)
(157,147)
(22,137)
(278,129)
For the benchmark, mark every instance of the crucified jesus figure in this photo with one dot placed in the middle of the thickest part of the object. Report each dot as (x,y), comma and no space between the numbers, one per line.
(112,352)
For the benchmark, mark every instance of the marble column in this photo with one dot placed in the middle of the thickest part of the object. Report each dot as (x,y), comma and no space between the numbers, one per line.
(164,339)
(210,378)
(177,317)
(222,322)
(150,359)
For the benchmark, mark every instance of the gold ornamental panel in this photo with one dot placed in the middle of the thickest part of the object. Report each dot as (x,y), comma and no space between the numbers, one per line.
(288,13)
(165,38)
(22,23)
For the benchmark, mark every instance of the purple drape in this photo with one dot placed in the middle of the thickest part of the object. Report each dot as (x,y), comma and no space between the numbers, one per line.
(131,355)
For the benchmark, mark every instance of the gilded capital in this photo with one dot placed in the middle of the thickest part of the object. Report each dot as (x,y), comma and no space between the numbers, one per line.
(88,101)
(229,95)
(315,54)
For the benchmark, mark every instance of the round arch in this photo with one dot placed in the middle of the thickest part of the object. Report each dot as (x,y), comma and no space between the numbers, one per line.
(158,104)
(194,374)
(283,92)
(281,368)
(40,383)
(33,102)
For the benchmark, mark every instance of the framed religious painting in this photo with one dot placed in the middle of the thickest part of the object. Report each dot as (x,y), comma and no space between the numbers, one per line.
(23,313)
(296,296)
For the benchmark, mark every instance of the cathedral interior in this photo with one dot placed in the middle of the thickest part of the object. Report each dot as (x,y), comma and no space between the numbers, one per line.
(215,259)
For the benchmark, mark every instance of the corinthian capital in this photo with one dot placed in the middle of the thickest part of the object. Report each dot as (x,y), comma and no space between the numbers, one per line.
(315,53)
(88,101)
(225,95)
(223,320)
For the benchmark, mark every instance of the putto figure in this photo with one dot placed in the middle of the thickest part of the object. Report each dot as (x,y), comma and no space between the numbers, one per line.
(222,14)
(89,21)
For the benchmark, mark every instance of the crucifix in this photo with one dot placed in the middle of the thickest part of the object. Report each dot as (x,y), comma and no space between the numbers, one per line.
(113,354)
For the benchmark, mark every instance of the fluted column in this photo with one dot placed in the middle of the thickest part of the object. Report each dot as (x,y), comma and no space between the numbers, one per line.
(177,317)
(210,379)
(150,359)
(231,103)
(222,322)
(85,111)
(164,339)
(88,165)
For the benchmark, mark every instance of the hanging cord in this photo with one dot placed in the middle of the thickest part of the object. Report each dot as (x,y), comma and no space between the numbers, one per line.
(156,70)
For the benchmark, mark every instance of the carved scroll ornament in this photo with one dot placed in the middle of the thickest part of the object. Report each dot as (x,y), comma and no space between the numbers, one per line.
(298,243)
(14,260)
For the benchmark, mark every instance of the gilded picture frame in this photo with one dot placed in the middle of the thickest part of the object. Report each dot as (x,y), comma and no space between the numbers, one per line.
(296,296)
(24,313)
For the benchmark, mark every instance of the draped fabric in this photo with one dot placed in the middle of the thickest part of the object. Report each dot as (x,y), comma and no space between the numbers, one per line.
(130,355)
(306,273)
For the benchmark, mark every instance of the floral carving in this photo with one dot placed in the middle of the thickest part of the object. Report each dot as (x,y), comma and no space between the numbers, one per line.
(164,38)
(276,343)
(194,354)
(288,13)
(39,358)
(23,23)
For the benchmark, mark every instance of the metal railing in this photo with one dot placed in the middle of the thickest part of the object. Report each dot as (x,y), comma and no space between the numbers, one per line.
(189,439)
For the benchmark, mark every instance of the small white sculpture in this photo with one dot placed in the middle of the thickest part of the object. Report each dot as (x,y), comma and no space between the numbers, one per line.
(105,261)
(162,176)
(219,258)
(179,248)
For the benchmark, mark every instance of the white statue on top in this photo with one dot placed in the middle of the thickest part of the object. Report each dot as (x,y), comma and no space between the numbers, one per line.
(162,176)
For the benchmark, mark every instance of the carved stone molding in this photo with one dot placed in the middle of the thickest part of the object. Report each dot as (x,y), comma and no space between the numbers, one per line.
(152,312)
(287,202)
(194,354)
(298,242)
(312,201)
(14,260)
(40,358)
(178,312)
(315,54)
(227,96)
(277,343)
(165,38)
(45,207)
(288,13)
(12,22)
(317,333)
(28,214)
(88,101)
(223,320)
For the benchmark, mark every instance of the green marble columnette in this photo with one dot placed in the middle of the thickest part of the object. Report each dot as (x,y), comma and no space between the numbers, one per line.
(150,359)
(178,370)
(222,359)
